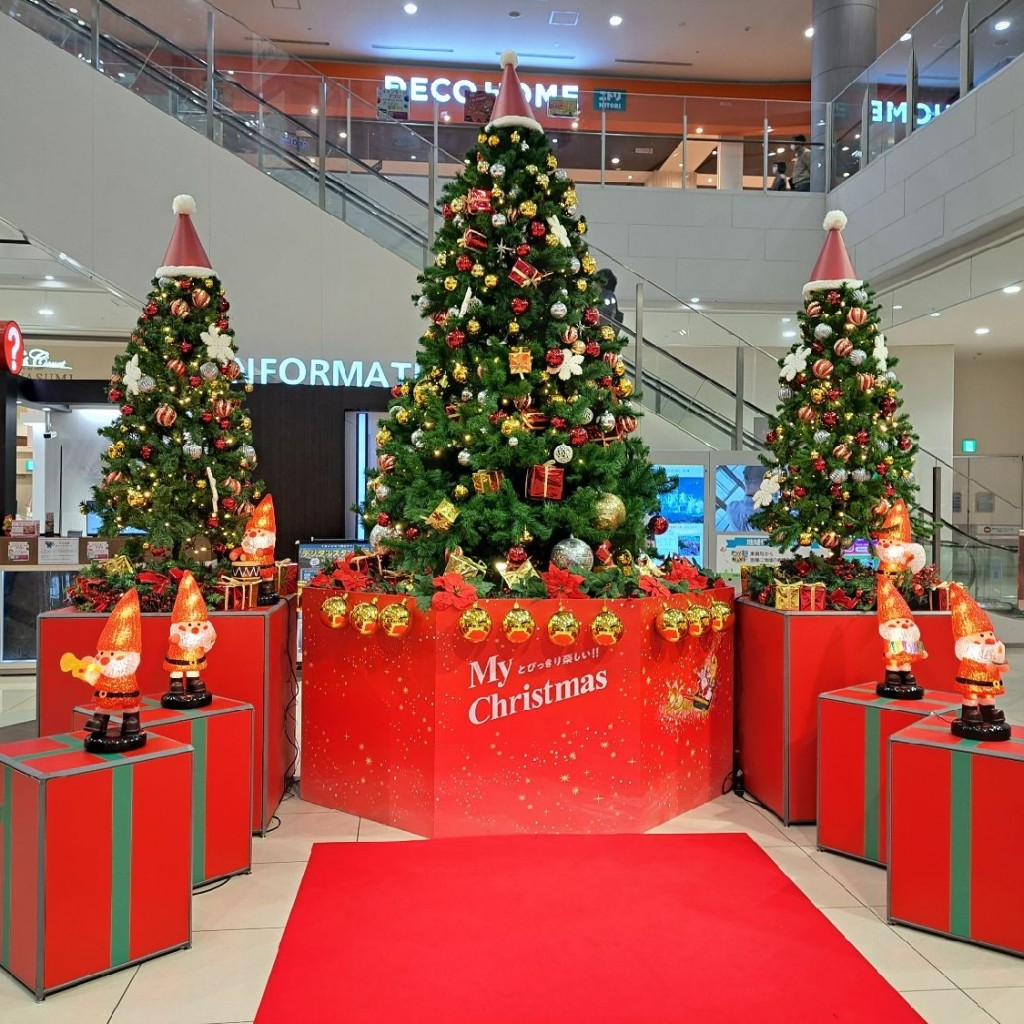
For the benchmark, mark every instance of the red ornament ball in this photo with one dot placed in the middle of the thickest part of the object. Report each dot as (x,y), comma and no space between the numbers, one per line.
(224,424)
(659,525)
(821,368)
(538,229)
(836,490)
(185,347)
(396,391)
(222,324)
(179,308)
(843,347)
(213,522)
(519,305)
(455,338)
(151,310)
(195,381)
(558,422)
(814,309)
(127,410)
(523,250)
(800,492)
(817,348)
(383,519)
(176,366)
(412,532)
(770,437)
(554,358)
(607,382)
(904,443)
(890,490)
(220,444)
(806,414)
(464,262)
(862,437)
(591,317)
(887,405)
(223,306)
(578,436)
(835,298)
(819,464)
(200,298)
(516,555)
(857,316)
(146,451)
(882,468)
(830,419)
(593,349)
(207,416)
(447,212)
(115,395)
(229,503)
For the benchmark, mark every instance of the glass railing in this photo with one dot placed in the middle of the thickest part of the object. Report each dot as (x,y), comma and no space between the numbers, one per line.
(955,47)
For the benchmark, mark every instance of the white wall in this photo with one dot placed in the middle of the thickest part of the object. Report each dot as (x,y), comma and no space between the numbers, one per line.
(90,169)
(955,182)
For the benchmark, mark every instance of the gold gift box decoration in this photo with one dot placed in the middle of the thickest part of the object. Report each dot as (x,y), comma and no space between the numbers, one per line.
(443,516)
(787,596)
(118,564)
(514,575)
(487,481)
(465,567)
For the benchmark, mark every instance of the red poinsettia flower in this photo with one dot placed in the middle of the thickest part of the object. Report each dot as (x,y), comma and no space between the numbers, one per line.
(350,579)
(683,569)
(321,579)
(653,586)
(561,582)
(453,592)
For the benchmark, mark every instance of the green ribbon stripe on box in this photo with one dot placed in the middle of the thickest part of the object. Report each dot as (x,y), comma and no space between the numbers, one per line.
(960,843)
(872,739)
(121,864)
(199,747)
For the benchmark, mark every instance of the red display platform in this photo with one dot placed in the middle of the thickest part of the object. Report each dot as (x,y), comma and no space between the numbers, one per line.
(955,835)
(854,726)
(251,662)
(785,661)
(221,737)
(94,858)
(443,737)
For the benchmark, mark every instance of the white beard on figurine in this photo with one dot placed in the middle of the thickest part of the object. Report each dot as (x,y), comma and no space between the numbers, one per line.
(195,636)
(117,664)
(899,630)
(898,555)
(978,647)
(258,545)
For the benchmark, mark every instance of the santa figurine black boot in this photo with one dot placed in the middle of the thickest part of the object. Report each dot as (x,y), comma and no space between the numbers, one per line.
(97,725)
(993,721)
(195,688)
(969,725)
(899,686)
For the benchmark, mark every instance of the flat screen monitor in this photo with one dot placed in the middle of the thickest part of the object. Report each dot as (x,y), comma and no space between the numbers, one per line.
(684,510)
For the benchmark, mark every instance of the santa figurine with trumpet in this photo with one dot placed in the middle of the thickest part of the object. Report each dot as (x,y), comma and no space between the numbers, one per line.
(111,674)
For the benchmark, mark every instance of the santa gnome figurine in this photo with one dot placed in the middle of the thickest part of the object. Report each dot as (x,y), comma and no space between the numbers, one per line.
(982,664)
(255,556)
(191,638)
(894,542)
(111,674)
(902,640)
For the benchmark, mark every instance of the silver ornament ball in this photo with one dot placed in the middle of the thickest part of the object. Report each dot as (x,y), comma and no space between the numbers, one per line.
(497,171)
(147,384)
(498,219)
(207,371)
(861,475)
(606,421)
(423,302)
(573,553)
(857,357)
(823,332)
(837,476)
(558,310)
(785,393)
(821,436)
(417,438)
(587,416)
(562,453)
(464,457)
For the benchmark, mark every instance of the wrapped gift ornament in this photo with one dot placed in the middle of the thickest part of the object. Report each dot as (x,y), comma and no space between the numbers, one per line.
(465,567)
(473,239)
(478,200)
(524,274)
(812,597)
(513,575)
(787,596)
(443,516)
(938,598)
(545,482)
(535,421)
(286,575)
(487,481)
(520,360)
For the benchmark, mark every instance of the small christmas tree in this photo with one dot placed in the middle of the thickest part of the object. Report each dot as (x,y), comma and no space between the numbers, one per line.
(842,449)
(180,461)
(515,443)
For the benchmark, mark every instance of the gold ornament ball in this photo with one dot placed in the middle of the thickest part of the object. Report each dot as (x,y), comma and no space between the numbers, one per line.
(459,204)
(542,181)
(395,619)
(671,624)
(606,629)
(607,333)
(491,280)
(609,512)
(721,615)
(552,161)
(248,389)
(528,208)
(579,347)
(581,285)
(246,423)
(698,619)
(383,436)
(551,241)
(135,499)
(477,270)
(513,327)
(334,612)
(588,263)
(460,372)
(620,369)
(563,628)
(805,540)
(201,484)
(402,415)
(493,140)
(571,199)
(475,625)
(514,137)
(474,328)
(481,138)
(441,259)
(518,625)
(625,387)
(364,618)
(451,283)
(509,427)
(460,492)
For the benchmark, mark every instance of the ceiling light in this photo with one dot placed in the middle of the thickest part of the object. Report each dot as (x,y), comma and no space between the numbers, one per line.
(935,314)
(46,312)
(894,308)
(780,151)
(846,149)
(699,131)
(981,330)
(714,152)
(121,74)
(857,136)
(615,159)
(342,135)
(410,8)
(413,156)
(314,110)
(445,116)
(72,10)
(554,142)
(710,180)
(787,319)
(1002,26)
(846,174)
(229,72)
(906,37)
(696,298)
(629,177)
(809,32)
(575,124)
(48,277)
(615,20)
(1011,289)
(682,331)
(789,334)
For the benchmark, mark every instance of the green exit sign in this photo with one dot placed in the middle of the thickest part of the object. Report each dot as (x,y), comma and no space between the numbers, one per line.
(968,445)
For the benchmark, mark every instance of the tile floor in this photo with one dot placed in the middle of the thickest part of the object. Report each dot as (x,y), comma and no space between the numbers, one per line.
(238,926)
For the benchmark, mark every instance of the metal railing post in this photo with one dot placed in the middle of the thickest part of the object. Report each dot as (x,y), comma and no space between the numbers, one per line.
(211,62)
(829,144)
(604,141)
(741,354)
(911,92)
(638,360)
(764,184)
(966,52)
(937,514)
(94,34)
(321,143)
(686,129)
(431,191)
(865,121)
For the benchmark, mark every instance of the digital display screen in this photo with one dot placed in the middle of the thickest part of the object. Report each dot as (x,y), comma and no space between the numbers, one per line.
(684,510)
(735,487)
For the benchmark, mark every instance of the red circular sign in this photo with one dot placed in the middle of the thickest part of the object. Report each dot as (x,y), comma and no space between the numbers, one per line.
(14,345)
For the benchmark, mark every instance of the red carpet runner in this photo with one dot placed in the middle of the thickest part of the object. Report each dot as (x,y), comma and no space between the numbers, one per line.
(564,929)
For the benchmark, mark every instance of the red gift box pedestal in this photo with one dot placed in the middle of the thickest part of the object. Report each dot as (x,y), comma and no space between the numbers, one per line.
(854,726)
(251,662)
(94,858)
(785,661)
(955,835)
(443,737)
(221,737)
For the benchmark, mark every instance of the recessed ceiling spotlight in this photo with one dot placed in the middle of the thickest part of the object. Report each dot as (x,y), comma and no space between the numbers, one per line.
(72,10)
(935,314)
(615,159)
(981,330)
(412,156)
(696,298)
(1011,289)
(896,307)
(48,277)
(554,142)
(698,131)
(787,319)
(575,124)
(615,20)
(314,110)
(846,174)
(809,32)
(1002,26)
(629,177)
(780,151)
(342,135)
(46,312)
(682,331)
(906,37)
(789,334)
(410,8)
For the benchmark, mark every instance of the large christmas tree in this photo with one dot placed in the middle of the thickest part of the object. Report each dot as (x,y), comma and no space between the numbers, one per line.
(514,445)
(180,461)
(841,447)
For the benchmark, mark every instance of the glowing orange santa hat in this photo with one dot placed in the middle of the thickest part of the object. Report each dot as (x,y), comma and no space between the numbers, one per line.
(890,601)
(189,605)
(123,629)
(510,108)
(967,617)
(185,255)
(833,268)
(896,526)
(262,517)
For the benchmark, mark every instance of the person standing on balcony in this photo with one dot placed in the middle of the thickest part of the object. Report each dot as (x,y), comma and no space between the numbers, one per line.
(781,182)
(801,180)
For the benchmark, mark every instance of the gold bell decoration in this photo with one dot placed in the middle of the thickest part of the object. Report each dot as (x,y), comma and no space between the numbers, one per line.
(671,623)
(475,625)
(334,612)
(721,616)
(698,620)
(606,629)
(518,625)
(395,619)
(365,617)
(563,628)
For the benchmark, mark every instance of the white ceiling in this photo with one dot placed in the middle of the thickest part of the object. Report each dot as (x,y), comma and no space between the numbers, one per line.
(728,40)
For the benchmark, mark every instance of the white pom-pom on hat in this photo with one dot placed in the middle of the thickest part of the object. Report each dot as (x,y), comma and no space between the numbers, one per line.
(509,57)
(835,220)
(184,205)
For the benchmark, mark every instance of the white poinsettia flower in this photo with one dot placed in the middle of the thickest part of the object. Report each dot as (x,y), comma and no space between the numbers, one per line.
(571,365)
(794,363)
(881,353)
(218,346)
(558,230)
(467,302)
(132,375)
(765,494)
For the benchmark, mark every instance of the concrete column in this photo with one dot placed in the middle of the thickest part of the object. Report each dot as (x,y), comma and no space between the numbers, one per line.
(730,166)
(845,43)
